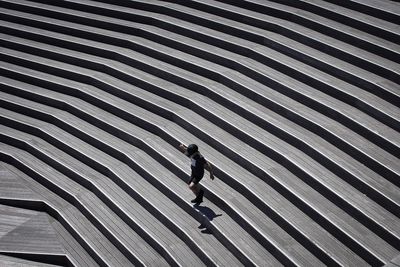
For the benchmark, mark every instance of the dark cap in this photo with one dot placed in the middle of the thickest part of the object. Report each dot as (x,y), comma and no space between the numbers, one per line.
(191,149)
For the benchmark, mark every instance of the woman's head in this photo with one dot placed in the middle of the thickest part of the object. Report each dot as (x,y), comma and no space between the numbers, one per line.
(191,149)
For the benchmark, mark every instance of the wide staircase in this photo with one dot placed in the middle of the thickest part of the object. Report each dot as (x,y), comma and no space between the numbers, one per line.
(296,104)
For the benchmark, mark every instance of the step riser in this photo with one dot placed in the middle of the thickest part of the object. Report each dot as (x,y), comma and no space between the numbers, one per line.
(49,209)
(391,206)
(158,102)
(323,109)
(331,228)
(372,88)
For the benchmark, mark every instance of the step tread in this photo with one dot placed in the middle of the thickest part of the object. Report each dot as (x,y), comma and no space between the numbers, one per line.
(382,130)
(382,156)
(229,223)
(279,175)
(103,247)
(300,125)
(376,105)
(106,216)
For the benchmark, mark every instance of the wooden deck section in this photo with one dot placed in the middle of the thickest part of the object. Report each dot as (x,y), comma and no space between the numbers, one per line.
(295,103)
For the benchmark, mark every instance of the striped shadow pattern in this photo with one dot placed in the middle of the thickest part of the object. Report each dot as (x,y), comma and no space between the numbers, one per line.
(296,104)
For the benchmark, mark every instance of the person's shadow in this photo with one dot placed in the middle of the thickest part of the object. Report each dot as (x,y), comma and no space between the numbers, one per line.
(209,213)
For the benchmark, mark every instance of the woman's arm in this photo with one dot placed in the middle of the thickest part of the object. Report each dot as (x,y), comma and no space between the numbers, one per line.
(182,148)
(209,168)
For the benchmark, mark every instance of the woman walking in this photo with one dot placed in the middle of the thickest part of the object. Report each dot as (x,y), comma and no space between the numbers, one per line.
(198,164)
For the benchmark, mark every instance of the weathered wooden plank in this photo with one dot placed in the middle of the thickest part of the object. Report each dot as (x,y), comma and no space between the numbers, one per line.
(294,196)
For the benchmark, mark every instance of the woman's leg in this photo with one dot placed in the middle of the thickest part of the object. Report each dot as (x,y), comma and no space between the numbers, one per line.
(195,188)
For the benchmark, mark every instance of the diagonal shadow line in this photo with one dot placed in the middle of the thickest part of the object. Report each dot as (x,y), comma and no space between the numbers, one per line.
(209,214)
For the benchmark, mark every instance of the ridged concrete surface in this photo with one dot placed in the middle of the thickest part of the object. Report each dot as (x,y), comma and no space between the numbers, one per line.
(295,103)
